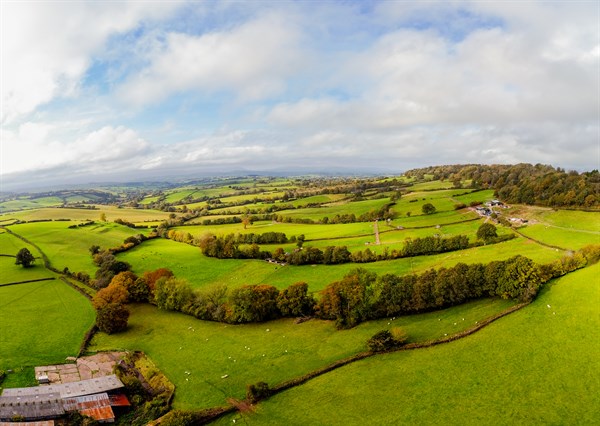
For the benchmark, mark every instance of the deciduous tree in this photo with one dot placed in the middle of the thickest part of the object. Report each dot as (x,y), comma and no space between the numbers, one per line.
(24,257)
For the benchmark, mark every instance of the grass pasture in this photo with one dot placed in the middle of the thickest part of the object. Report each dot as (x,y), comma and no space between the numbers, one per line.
(70,247)
(12,273)
(112,213)
(571,239)
(310,231)
(479,196)
(41,323)
(188,262)
(500,375)
(29,203)
(568,219)
(10,245)
(317,213)
(278,350)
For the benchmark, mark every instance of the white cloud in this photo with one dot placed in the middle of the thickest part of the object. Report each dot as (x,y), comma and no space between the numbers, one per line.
(298,85)
(251,62)
(48,45)
(36,147)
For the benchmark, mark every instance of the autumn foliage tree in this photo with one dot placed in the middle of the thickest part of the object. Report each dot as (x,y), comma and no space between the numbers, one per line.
(112,318)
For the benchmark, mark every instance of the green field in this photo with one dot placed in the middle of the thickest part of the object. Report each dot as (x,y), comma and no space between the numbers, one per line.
(279,350)
(311,232)
(188,262)
(317,213)
(572,239)
(29,203)
(536,366)
(41,323)
(12,273)
(111,212)
(431,185)
(70,247)
(568,219)
(479,196)
(9,244)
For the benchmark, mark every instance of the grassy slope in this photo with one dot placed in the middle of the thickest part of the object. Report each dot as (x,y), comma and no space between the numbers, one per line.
(12,273)
(536,366)
(572,239)
(180,343)
(290,229)
(70,247)
(41,323)
(187,262)
(112,213)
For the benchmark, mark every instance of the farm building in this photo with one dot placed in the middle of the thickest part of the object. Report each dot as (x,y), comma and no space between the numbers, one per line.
(483,211)
(96,406)
(89,397)
(81,388)
(31,407)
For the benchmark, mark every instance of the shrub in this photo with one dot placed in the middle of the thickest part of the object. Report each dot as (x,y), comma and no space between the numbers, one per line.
(24,257)
(399,335)
(381,341)
(255,393)
(112,318)
(386,340)
(179,418)
(428,208)
(487,232)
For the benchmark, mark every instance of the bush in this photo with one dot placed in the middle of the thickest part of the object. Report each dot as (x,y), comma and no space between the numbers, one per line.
(178,418)
(112,318)
(487,232)
(428,208)
(385,340)
(381,341)
(255,393)
(399,335)
(24,257)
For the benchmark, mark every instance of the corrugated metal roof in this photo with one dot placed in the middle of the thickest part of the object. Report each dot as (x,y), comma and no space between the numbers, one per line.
(79,403)
(83,387)
(32,407)
(102,414)
(119,400)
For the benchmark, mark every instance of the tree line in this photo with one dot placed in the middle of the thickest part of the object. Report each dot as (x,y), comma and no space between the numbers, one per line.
(537,184)
(228,247)
(359,296)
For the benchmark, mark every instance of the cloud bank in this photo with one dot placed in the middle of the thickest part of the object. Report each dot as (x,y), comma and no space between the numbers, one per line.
(94,90)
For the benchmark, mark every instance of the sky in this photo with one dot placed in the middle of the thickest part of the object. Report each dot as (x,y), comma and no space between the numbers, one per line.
(97,91)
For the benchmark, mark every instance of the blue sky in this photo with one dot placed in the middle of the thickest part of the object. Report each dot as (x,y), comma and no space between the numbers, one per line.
(117,90)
